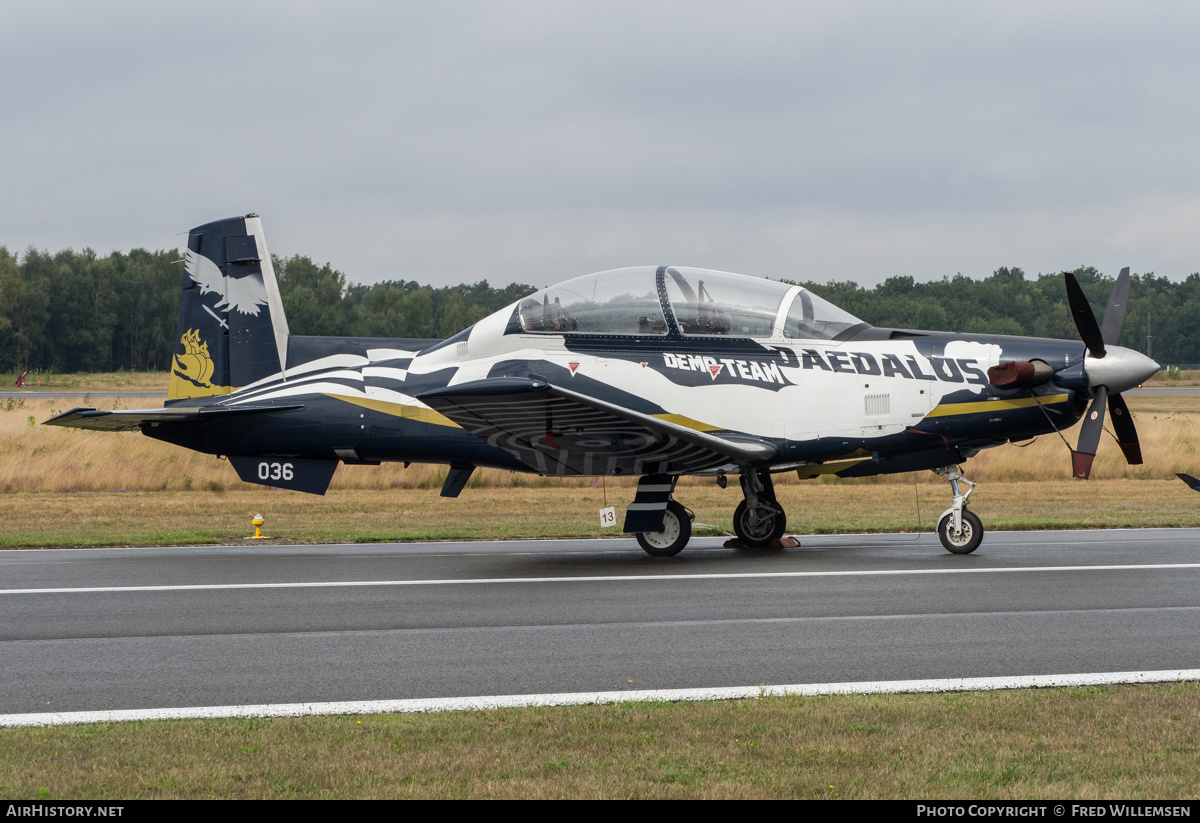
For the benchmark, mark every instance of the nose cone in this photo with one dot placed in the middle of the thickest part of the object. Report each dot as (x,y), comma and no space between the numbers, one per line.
(1119,369)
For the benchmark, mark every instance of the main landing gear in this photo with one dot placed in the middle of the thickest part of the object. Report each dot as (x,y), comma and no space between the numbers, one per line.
(653,509)
(758,519)
(677,531)
(959,530)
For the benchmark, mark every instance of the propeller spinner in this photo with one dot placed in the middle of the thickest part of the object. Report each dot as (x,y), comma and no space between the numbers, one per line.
(1110,370)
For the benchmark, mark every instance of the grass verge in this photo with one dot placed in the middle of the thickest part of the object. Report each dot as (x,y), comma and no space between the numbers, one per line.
(1093,743)
(369,515)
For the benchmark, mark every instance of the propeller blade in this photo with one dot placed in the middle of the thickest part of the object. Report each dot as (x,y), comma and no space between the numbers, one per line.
(1089,435)
(1114,314)
(1127,437)
(1085,321)
(1192,482)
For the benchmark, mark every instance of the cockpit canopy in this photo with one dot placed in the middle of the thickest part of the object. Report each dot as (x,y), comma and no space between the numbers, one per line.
(693,302)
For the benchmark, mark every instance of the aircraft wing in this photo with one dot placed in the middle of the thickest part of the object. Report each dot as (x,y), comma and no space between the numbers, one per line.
(121,420)
(560,432)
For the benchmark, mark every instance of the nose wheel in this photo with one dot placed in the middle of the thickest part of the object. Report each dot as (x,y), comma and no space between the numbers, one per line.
(966,539)
(960,530)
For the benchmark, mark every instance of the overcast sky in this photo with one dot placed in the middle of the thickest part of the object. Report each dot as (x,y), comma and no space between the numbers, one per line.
(535,141)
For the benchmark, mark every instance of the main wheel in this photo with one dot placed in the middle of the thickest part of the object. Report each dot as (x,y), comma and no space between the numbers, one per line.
(769,527)
(677,530)
(965,541)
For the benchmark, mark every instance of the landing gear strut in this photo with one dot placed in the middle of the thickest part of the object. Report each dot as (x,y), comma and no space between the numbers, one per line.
(959,530)
(759,519)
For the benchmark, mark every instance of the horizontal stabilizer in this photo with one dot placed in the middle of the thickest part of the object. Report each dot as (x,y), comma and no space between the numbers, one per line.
(123,420)
(560,432)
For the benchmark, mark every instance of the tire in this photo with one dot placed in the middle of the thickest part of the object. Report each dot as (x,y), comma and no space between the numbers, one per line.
(766,530)
(677,530)
(966,542)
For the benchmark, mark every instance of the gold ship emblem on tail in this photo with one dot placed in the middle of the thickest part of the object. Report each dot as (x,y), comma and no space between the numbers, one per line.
(192,371)
(194,365)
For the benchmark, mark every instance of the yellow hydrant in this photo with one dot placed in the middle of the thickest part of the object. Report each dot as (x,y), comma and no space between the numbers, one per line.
(257,521)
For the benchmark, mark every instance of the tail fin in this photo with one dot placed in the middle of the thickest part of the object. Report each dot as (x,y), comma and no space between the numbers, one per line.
(231,330)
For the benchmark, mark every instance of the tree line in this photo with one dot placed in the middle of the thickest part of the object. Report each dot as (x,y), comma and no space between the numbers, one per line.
(78,312)
(1008,302)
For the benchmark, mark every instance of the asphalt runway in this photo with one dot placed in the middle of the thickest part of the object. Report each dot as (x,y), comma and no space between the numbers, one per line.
(99,629)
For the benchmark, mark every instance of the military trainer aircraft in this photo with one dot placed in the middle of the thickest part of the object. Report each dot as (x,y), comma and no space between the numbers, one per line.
(652,372)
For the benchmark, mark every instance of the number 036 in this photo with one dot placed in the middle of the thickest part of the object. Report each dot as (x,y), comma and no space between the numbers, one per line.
(274,471)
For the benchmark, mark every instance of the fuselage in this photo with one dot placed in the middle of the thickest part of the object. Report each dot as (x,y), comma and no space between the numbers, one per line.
(821,387)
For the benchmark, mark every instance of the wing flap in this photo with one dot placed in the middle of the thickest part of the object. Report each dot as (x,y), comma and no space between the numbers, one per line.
(560,432)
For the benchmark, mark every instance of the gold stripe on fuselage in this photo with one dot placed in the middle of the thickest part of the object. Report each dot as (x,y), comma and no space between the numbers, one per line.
(947,409)
(417,413)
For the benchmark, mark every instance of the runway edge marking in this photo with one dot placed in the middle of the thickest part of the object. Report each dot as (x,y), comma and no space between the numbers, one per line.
(448,704)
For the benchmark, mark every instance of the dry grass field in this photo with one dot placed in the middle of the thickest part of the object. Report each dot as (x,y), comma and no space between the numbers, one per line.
(98,381)
(72,487)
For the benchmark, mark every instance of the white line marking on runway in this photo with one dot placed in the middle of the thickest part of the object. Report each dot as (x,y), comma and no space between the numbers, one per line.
(445,704)
(612,578)
(878,539)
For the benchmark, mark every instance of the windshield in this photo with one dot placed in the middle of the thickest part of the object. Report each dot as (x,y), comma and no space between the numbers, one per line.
(719,303)
(811,317)
(621,301)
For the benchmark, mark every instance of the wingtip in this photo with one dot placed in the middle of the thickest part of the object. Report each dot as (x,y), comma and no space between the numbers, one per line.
(62,418)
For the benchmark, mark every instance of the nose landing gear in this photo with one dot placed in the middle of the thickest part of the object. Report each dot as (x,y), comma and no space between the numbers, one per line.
(960,531)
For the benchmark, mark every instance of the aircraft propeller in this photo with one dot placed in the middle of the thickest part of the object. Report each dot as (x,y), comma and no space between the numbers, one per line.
(1110,370)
